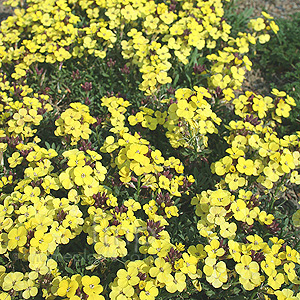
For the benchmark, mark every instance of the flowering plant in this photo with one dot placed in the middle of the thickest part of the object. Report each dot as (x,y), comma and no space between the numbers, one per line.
(132,165)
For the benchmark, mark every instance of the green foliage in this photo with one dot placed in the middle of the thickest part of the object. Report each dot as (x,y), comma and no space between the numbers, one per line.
(132,165)
(279,62)
(238,21)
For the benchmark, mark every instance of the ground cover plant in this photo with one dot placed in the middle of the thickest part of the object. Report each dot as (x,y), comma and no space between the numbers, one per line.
(132,165)
(280,63)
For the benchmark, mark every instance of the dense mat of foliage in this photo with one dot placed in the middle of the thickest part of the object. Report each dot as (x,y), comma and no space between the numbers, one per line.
(279,62)
(132,167)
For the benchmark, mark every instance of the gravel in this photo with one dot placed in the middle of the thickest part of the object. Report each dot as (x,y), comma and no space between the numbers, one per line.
(276,8)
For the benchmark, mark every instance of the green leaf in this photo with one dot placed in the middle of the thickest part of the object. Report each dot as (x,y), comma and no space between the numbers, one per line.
(69,270)
(60,258)
(176,79)
(193,58)
(47,145)
(107,187)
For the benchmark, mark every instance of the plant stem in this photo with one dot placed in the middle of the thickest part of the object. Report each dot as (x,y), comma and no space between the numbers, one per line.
(138,189)
(295,246)
(276,191)
(253,294)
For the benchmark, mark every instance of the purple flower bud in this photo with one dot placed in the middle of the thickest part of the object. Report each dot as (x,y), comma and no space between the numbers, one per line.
(87,86)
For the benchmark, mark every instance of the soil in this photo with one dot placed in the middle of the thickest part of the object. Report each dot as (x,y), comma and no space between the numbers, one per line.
(4,11)
(276,8)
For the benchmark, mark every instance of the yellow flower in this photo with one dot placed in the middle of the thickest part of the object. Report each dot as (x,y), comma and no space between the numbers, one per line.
(162,270)
(83,175)
(17,237)
(218,275)
(178,283)
(171,211)
(289,269)
(265,218)
(32,194)
(197,251)
(100,171)
(107,246)
(278,93)
(185,110)
(295,177)
(268,266)
(285,294)
(125,174)
(216,215)
(133,120)
(91,285)
(272,171)
(190,264)
(13,280)
(150,208)
(245,166)
(61,54)
(257,242)
(292,254)
(283,109)
(30,290)
(276,281)
(228,230)
(5,296)
(67,288)
(129,277)
(41,240)
(234,181)
(222,166)
(15,159)
(213,249)
(132,204)
(76,159)
(150,292)
(247,268)
(235,250)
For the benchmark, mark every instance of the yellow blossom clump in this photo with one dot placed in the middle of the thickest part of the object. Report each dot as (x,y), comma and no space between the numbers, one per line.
(132,166)
(20,118)
(255,148)
(190,119)
(74,123)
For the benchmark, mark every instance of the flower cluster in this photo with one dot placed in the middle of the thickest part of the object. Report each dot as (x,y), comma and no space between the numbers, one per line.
(190,119)
(74,123)
(168,188)
(181,27)
(20,117)
(255,148)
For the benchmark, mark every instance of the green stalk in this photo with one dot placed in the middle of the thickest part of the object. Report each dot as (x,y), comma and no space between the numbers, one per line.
(295,246)
(276,191)
(138,189)
(253,294)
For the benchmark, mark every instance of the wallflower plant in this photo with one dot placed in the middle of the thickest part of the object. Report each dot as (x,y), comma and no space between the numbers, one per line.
(132,165)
